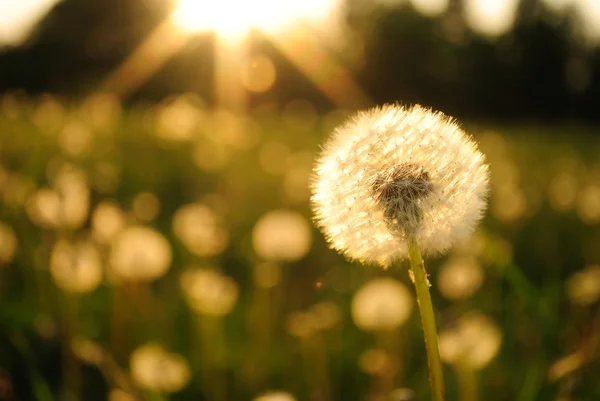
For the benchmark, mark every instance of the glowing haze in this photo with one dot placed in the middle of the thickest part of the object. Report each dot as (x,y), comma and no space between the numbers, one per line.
(237,17)
(19,17)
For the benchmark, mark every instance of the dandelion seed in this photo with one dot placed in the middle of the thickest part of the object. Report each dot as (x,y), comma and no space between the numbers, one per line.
(392,173)
(381,304)
(155,369)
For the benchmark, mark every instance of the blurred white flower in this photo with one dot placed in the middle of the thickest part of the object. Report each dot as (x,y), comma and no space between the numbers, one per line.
(155,369)
(200,230)
(76,266)
(275,396)
(583,287)
(139,253)
(209,292)
(282,235)
(460,278)
(381,304)
(393,172)
(8,243)
(472,343)
(107,221)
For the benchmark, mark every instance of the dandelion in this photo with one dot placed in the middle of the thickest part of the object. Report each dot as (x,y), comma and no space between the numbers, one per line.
(470,346)
(460,278)
(275,396)
(472,343)
(583,287)
(8,243)
(395,173)
(107,221)
(282,235)
(200,230)
(76,267)
(381,304)
(209,292)
(394,182)
(155,369)
(139,253)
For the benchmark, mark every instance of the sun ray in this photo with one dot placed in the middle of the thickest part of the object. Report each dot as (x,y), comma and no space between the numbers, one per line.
(308,54)
(145,60)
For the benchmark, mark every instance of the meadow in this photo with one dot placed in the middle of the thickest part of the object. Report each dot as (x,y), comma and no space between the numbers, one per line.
(167,252)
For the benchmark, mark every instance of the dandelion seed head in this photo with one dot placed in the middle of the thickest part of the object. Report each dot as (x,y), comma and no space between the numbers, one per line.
(200,229)
(583,287)
(381,304)
(472,343)
(282,235)
(139,253)
(153,368)
(8,243)
(395,172)
(209,292)
(76,267)
(275,396)
(460,278)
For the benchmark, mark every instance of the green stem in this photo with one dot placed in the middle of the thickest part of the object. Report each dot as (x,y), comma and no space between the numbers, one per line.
(419,278)
(467,383)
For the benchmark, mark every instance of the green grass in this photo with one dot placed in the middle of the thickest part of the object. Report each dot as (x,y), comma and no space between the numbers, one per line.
(528,254)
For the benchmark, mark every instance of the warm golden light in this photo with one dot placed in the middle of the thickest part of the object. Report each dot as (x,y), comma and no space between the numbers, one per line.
(237,17)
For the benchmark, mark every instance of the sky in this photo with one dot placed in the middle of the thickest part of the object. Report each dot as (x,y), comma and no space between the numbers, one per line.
(491,17)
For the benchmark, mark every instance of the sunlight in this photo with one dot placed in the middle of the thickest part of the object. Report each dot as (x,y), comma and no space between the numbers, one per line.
(17,19)
(237,17)
(490,17)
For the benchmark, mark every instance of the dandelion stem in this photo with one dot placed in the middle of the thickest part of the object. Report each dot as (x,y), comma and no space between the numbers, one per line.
(467,383)
(419,277)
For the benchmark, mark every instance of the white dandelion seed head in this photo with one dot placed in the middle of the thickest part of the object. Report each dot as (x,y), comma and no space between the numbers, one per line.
(153,368)
(395,172)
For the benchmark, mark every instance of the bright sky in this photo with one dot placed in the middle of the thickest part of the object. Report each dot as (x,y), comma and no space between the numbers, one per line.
(19,17)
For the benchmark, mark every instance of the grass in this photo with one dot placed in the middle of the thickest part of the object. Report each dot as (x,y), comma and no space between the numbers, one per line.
(536,235)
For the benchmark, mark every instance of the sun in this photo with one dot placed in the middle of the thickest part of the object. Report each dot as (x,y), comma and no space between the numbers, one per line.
(237,17)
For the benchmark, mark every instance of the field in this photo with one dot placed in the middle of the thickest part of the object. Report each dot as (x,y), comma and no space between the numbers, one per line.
(168,251)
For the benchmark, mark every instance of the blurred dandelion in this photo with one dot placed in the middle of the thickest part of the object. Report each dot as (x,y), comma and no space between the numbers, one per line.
(393,182)
(583,287)
(275,396)
(376,362)
(460,278)
(267,275)
(8,243)
(139,253)
(107,221)
(155,369)
(145,206)
(120,395)
(381,304)
(76,267)
(282,235)
(200,229)
(209,292)
(76,139)
(472,343)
